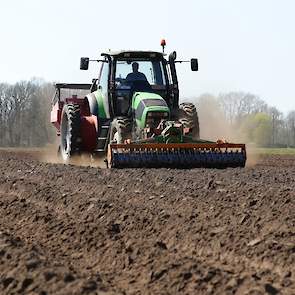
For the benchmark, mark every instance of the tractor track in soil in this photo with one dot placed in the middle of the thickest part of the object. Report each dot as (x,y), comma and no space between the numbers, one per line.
(82,230)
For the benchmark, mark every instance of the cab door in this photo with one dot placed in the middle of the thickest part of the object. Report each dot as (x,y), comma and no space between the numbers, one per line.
(102,93)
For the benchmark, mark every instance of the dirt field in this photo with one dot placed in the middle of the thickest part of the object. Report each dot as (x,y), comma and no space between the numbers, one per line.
(82,230)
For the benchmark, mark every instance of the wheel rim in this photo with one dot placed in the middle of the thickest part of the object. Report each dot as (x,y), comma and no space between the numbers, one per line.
(65,138)
(116,137)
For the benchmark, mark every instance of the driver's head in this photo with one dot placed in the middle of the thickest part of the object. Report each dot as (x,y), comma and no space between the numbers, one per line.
(135,67)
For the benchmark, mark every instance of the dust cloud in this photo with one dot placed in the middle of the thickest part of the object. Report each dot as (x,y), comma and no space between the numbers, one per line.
(49,154)
(215,126)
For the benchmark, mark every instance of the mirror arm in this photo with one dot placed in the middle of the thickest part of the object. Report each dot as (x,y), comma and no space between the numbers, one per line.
(98,60)
(180,61)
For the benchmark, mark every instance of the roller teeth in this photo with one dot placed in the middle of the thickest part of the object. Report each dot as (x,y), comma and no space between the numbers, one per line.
(176,159)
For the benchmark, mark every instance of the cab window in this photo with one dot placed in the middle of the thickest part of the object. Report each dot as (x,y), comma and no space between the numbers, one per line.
(150,71)
(103,81)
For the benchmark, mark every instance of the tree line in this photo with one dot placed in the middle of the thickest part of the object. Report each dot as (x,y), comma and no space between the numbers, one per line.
(236,116)
(25,114)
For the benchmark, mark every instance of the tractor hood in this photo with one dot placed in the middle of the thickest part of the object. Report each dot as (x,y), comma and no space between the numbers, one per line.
(146,102)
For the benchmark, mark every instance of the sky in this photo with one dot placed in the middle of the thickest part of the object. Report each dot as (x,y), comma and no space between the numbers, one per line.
(242,45)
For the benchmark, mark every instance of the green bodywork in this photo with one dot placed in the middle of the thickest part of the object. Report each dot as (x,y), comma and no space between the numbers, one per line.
(141,104)
(152,103)
(149,101)
(100,101)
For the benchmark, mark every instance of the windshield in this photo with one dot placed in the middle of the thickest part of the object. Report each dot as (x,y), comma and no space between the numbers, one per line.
(147,71)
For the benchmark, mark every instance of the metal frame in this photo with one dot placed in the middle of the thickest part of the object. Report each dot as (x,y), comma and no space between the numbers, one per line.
(72,86)
(192,145)
(58,86)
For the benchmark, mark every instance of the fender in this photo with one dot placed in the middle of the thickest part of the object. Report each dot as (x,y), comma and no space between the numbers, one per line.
(93,105)
(89,123)
(89,127)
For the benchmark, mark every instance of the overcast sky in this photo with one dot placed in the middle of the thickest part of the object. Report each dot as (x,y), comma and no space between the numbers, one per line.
(242,45)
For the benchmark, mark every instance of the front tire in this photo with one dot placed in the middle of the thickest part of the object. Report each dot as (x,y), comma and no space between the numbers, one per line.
(188,116)
(120,130)
(70,131)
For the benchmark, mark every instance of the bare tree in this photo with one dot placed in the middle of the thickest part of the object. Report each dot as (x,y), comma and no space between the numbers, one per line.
(24,113)
(291,128)
(277,125)
(237,105)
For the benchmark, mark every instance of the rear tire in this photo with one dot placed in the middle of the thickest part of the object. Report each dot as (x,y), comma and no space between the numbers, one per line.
(188,116)
(70,132)
(120,130)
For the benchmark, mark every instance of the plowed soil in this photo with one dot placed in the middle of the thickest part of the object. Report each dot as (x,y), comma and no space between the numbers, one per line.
(82,230)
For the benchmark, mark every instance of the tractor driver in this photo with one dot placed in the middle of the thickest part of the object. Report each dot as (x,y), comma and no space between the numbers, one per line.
(136,75)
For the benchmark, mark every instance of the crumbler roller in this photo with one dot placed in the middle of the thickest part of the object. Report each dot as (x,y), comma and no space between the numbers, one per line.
(187,155)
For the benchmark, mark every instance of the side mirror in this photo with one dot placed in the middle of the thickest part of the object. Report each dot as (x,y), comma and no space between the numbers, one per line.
(84,63)
(172,56)
(194,64)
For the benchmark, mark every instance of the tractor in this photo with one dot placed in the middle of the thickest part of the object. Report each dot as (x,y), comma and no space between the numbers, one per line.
(131,114)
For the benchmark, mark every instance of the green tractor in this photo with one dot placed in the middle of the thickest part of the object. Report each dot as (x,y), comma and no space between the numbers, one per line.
(133,116)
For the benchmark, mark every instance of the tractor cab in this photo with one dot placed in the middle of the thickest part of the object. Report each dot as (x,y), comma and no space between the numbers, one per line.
(145,72)
(124,73)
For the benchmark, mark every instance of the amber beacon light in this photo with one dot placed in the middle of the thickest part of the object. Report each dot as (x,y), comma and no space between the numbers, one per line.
(163,44)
